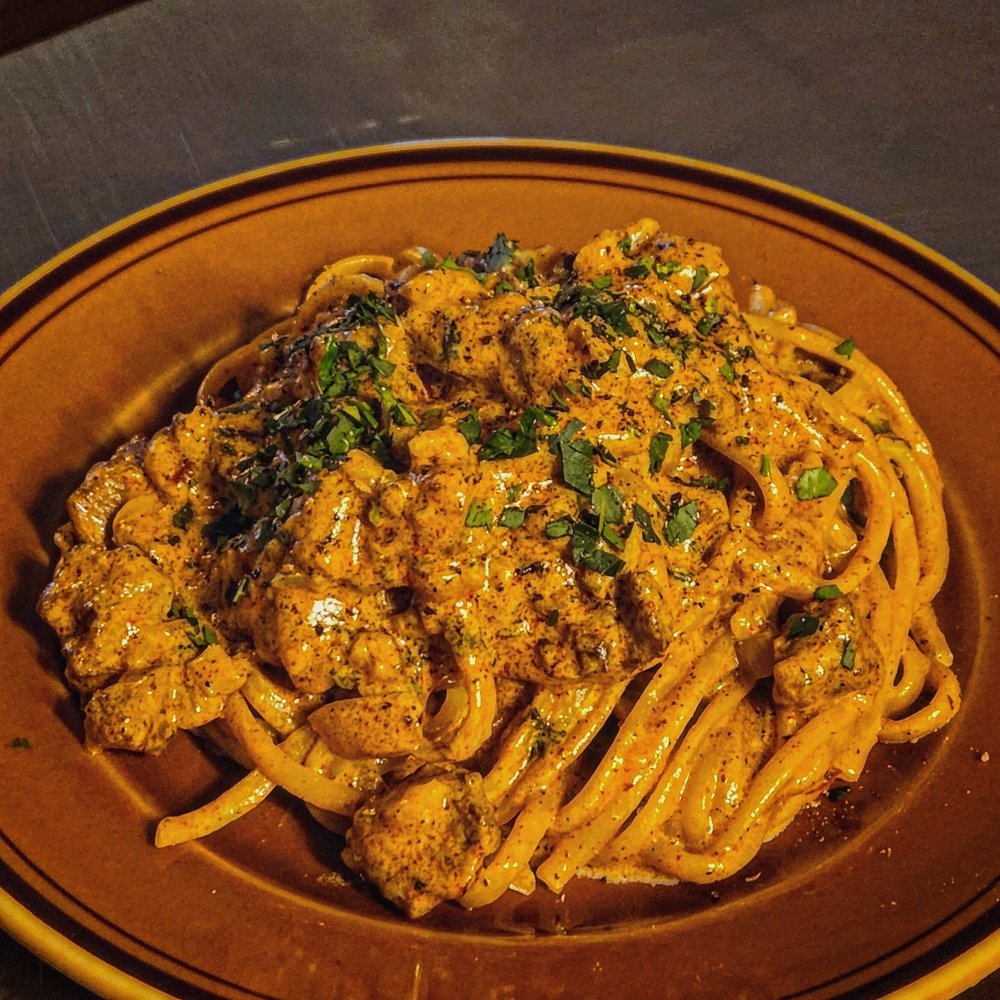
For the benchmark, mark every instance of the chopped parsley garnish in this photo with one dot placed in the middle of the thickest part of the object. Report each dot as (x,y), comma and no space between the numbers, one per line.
(20,743)
(682,521)
(585,549)
(399,412)
(658,446)
(202,637)
(511,517)
(708,323)
(559,528)
(577,456)
(815,483)
(828,592)
(641,269)
(661,403)
(500,254)
(478,515)
(645,522)
(606,312)
(765,465)
(658,368)
(587,554)
(802,625)
(701,275)
(469,427)
(182,518)
(596,369)
(607,502)
(238,589)
(712,483)
(518,441)
(627,244)
(845,348)
(728,372)
(691,431)
(545,734)
(848,655)
(198,634)
(878,426)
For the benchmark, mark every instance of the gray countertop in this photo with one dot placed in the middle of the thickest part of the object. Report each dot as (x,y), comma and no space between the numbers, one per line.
(889,108)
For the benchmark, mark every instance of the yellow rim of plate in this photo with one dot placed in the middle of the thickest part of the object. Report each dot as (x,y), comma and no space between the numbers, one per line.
(69,958)
(945,982)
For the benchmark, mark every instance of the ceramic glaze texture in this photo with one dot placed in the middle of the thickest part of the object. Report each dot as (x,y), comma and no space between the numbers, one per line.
(109,340)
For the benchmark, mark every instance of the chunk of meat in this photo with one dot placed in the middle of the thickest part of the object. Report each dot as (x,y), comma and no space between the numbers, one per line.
(143,709)
(110,609)
(106,487)
(424,840)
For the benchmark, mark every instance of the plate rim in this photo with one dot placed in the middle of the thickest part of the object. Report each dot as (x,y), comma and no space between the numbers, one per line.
(956,973)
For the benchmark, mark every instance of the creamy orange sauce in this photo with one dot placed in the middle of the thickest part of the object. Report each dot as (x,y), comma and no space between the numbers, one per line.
(446,491)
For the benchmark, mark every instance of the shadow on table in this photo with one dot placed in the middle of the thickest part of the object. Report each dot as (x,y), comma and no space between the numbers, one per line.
(23,22)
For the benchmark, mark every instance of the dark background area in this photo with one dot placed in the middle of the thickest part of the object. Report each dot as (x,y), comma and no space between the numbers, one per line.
(889,108)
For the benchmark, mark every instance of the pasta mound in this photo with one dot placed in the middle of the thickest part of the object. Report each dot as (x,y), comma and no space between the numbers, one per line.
(520,565)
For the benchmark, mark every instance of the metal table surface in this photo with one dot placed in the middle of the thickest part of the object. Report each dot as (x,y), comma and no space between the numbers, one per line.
(889,108)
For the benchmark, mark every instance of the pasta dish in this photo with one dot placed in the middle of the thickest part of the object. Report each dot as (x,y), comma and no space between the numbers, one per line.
(520,565)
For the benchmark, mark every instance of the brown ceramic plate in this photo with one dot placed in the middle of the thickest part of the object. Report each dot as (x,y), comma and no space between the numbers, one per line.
(870,894)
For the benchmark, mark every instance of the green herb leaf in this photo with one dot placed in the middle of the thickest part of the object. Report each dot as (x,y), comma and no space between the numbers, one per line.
(469,427)
(658,446)
(659,368)
(645,522)
(848,655)
(802,625)
(845,348)
(520,441)
(399,412)
(828,592)
(701,275)
(587,554)
(511,517)
(691,431)
(578,465)
(595,369)
(765,465)
(607,503)
(712,483)
(202,637)
(878,426)
(641,269)
(600,561)
(478,515)
(182,518)
(627,244)
(728,372)
(815,483)
(708,323)
(368,311)
(500,253)
(681,523)
(20,743)
(559,528)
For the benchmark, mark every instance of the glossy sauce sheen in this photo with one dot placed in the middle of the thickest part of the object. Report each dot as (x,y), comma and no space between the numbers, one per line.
(453,513)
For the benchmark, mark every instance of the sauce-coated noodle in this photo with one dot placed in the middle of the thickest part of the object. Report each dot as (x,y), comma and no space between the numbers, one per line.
(521,564)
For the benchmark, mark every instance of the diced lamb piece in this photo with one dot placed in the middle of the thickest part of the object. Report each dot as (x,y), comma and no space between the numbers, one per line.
(424,840)
(143,709)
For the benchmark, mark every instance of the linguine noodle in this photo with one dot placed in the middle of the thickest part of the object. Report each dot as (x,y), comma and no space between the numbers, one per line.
(520,565)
